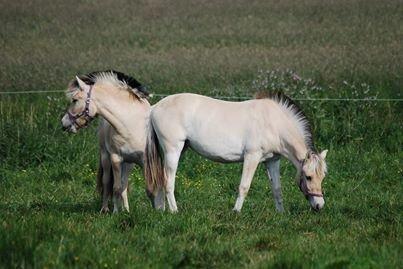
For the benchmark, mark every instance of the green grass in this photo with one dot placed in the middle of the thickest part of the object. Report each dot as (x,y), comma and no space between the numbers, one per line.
(48,206)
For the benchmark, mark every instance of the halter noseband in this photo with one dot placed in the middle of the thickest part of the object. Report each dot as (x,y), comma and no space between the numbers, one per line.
(302,184)
(85,113)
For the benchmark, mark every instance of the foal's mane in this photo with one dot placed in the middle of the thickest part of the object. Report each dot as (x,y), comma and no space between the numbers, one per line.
(116,78)
(293,108)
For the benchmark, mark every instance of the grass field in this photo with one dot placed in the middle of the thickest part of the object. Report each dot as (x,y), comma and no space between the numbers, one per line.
(340,49)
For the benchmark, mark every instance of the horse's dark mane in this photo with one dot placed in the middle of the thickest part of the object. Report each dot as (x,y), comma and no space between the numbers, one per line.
(284,100)
(90,79)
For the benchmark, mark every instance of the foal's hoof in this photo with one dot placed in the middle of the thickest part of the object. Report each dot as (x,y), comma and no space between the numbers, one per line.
(161,208)
(104,210)
(236,210)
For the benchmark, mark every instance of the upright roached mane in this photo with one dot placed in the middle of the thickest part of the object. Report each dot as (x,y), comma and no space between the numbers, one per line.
(115,78)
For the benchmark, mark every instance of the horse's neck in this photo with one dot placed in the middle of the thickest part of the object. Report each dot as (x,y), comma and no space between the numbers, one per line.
(121,111)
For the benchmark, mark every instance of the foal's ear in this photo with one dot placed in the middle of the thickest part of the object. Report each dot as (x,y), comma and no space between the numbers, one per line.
(323,154)
(82,85)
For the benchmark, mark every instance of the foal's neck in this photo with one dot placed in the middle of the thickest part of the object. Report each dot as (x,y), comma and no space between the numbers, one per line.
(296,152)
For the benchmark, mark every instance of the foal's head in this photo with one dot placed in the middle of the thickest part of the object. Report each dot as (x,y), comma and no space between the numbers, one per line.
(82,108)
(313,171)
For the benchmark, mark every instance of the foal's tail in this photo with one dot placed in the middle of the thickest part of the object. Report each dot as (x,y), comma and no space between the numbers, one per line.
(154,171)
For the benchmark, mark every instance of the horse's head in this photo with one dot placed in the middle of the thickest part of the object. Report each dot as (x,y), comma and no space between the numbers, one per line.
(81,110)
(313,171)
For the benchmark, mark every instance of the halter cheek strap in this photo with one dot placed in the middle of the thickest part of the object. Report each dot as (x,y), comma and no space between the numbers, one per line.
(304,188)
(85,113)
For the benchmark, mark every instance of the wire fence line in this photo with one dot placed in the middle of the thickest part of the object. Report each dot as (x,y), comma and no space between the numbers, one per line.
(235,97)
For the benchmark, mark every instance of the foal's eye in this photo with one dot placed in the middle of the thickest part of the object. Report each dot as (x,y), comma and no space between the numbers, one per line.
(308,178)
(75,101)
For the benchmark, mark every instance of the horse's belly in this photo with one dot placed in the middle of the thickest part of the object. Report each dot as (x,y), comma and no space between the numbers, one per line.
(133,157)
(129,153)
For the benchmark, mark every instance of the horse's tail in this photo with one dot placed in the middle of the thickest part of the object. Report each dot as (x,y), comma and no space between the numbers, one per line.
(101,169)
(100,174)
(154,171)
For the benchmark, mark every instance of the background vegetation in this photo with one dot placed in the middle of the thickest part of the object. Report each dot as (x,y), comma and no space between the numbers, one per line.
(309,49)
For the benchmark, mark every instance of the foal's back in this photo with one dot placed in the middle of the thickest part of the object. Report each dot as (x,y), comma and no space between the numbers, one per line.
(219,130)
(197,109)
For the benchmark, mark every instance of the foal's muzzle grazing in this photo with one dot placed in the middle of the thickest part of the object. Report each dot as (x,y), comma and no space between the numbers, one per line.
(316,200)
(316,203)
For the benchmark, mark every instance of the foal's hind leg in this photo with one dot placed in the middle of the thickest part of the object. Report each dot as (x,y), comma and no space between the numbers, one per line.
(171,159)
(250,164)
(273,172)
(159,199)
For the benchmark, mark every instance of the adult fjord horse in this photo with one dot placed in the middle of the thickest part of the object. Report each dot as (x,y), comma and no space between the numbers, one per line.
(253,131)
(122,103)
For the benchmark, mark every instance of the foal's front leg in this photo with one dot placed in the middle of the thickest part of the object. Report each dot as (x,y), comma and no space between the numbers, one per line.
(273,172)
(250,164)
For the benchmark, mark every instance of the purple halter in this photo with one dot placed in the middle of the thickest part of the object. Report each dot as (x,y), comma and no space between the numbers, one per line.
(85,113)
(303,187)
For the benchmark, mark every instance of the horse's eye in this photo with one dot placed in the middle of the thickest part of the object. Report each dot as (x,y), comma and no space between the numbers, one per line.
(308,178)
(74,101)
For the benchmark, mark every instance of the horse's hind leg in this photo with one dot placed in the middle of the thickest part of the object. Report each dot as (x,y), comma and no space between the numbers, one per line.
(106,182)
(273,172)
(250,164)
(116,161)
(171,159)
(126,169)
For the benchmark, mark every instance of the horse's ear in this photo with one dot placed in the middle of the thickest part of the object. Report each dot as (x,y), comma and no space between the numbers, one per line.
(83,86)
(323,154)
(141,92)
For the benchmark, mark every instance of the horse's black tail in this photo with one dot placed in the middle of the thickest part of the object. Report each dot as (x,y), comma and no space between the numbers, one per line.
(100,174)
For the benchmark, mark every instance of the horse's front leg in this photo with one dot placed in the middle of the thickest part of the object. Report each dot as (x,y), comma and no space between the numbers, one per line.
(171,159)
(116,161)
(250,164)
(273,172)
